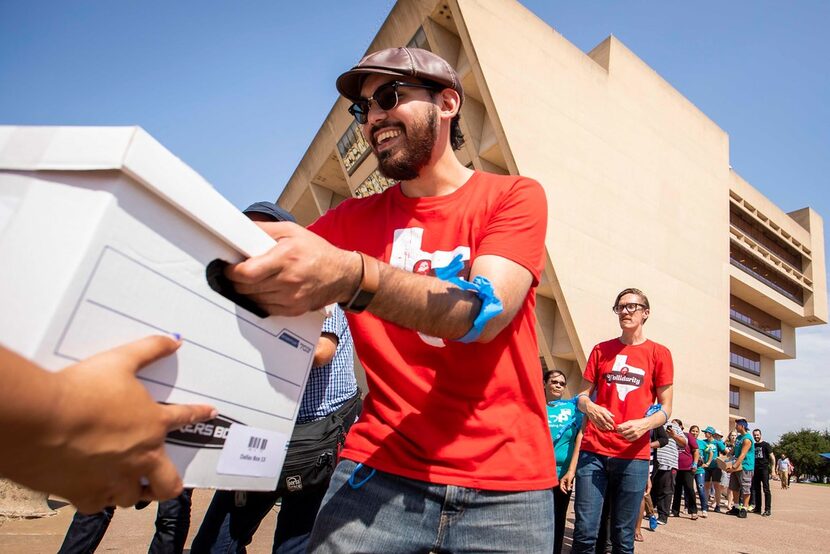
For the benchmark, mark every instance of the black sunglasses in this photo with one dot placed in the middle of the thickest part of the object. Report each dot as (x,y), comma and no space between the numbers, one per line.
(385,96)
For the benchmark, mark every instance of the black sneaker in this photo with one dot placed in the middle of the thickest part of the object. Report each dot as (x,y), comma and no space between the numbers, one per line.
(733,511)
(662,520)
(767,513)
(757,511)
(717,509)
(742,513)
(675,514)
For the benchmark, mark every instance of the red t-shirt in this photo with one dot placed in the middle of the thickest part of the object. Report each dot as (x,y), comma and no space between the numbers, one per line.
(626,379)
(446,412)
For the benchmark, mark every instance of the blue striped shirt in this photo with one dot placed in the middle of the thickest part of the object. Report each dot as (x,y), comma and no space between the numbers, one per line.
(331,385)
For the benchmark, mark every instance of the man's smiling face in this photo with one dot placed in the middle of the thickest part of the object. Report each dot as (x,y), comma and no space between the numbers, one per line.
(404,136)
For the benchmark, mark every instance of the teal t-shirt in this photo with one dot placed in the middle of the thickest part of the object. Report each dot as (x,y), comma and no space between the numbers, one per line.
(705,448)
(749,460)
(717,447)
(563,415)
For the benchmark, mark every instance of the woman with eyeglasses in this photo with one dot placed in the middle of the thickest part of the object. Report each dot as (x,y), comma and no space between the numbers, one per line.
(622,379)
(566,425)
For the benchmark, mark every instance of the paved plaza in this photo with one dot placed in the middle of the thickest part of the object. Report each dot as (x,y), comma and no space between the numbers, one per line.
(800,523)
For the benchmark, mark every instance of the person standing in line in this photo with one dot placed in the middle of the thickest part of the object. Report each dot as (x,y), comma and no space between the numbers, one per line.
(764,462)
(726,477)
(662,485)
(784,467)
(627,374)
(712,473)
(566,429)
(438,275)
(659,438)
(702,460)
(741,470)
(684,479)
(329,406)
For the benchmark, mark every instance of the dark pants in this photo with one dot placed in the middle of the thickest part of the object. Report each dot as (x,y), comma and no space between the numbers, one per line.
(761,479)
(662,488)
(229,528)
(560,511)
(172,524)
(684,485)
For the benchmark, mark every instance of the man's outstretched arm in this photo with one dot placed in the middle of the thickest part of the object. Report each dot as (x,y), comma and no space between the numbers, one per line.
(304,272)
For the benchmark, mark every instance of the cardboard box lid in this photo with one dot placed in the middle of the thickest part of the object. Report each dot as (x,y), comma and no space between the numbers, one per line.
(133,151)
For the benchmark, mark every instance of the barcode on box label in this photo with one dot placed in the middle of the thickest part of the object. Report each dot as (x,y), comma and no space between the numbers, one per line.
(251,451)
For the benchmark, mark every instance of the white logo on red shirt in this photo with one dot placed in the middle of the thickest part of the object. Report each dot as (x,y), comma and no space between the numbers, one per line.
(625,377)
(407,255)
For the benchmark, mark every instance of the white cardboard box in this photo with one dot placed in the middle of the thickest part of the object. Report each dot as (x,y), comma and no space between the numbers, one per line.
(104,238)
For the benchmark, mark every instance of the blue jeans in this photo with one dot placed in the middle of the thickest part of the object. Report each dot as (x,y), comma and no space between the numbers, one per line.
(625,482)
(389,513)
(172,524)
(701,491)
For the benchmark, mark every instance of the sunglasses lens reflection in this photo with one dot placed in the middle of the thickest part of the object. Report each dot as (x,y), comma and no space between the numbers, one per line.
(386,97)
(360,110)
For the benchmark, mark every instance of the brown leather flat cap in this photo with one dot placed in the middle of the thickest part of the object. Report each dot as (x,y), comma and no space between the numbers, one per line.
(406,62)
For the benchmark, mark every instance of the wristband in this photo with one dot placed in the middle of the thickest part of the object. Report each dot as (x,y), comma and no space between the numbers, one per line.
(491,306)
(369,285)
(653,409)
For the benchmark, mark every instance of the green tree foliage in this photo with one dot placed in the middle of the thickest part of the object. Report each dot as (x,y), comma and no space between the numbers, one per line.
(803,448)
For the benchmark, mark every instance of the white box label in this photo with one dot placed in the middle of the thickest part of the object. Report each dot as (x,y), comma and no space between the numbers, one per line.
(252,452)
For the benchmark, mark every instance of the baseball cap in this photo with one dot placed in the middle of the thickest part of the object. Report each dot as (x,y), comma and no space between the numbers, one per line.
(710,430)
(717,433)
(405,62)
(742,422)
(270,209)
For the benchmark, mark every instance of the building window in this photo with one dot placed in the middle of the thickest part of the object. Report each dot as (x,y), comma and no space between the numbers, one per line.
(419,40)
(744,359)
(752,317)
(353,147)
(373,184)
(765,237)
(734,397)
(752,264)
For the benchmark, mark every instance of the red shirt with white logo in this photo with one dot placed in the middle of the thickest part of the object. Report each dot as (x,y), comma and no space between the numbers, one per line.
(626,379)
(441,411)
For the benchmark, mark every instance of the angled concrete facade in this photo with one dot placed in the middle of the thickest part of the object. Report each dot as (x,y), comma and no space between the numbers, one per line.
(640,193)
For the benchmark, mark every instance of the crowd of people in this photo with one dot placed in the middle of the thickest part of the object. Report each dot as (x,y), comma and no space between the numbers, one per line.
(703,472)
(455,448)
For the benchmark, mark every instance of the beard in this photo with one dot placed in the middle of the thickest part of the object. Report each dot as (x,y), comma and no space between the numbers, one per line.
(405,162)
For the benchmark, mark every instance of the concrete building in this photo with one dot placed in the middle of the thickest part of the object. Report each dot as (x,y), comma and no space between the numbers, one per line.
(640,193)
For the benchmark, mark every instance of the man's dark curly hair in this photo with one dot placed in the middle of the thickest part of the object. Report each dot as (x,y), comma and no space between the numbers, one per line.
(456,136)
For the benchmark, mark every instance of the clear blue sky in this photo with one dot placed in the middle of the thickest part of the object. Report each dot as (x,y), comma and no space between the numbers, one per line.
(238,90)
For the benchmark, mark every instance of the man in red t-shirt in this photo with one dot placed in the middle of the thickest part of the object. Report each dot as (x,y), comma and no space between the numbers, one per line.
(625,375)
(452,450)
